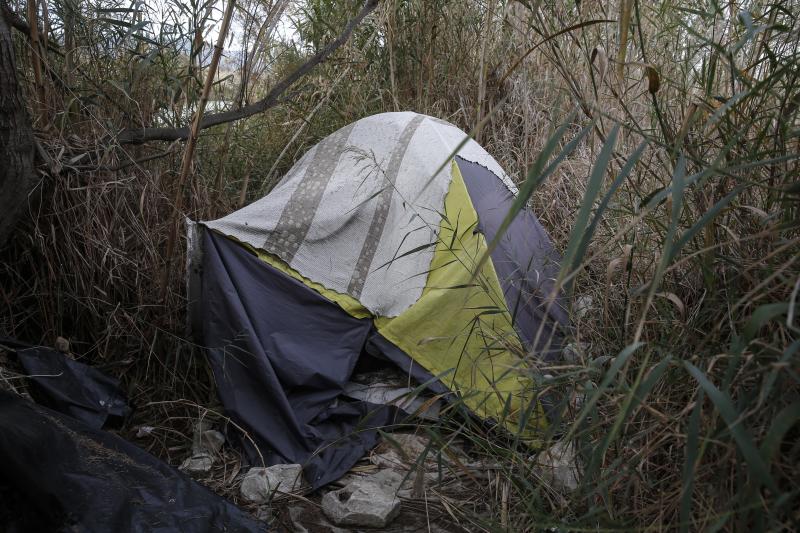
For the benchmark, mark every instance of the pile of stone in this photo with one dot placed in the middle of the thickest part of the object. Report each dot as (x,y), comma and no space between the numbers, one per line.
(206,446)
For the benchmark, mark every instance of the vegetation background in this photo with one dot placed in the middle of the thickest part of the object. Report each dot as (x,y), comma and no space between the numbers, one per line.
(657,141)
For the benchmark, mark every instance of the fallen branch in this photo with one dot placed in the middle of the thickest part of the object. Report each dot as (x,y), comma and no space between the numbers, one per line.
(142,135)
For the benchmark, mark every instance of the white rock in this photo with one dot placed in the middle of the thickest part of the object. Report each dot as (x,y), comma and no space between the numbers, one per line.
(144,431)
(367,502)
(205,439)
(416,482)
(259,483)
(558,466)
(211,441)
(412,446)
(573,353)
(206,443)
(582,306)
(198,464)
(388,459)
(404,451)
(388,480)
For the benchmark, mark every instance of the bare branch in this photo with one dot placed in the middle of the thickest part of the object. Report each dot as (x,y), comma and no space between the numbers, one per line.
(142,135)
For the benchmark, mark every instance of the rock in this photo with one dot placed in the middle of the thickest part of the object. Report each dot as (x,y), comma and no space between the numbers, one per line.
(414,485)
(62,345)
(558,466)
(388,459)
(582,306)
(259,483)
(411,446)
(206,443)
(388,480)
(144,431)
(371,501)
(415,480)
(211,441)
(573,353)
(198,464)
(403,453)
(306,518)
(200,427)
(404,450)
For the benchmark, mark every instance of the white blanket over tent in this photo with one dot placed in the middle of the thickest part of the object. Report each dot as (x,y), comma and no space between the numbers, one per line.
(353,214)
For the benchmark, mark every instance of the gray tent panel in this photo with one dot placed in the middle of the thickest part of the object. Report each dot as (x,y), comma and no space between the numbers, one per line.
(525,260)
(281,354)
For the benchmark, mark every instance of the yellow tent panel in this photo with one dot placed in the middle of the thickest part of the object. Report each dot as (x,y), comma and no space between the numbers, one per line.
(461,323)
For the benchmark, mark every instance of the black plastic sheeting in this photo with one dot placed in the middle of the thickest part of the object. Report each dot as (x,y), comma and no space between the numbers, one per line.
(525,260)
(64,475)
(281,354)
(70,387)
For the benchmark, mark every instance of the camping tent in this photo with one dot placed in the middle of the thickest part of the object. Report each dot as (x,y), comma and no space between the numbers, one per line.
(374,245)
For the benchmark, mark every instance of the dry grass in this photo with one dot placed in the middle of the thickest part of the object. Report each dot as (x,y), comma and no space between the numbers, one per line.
(693,429)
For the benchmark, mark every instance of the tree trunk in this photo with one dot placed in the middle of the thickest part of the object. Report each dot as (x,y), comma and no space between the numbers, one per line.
(17,177)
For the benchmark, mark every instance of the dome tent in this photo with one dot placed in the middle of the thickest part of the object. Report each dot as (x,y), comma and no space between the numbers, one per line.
(369,247)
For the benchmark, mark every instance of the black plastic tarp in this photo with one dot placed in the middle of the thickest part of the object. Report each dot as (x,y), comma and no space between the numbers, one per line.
(281,354)
(70,387)
(63,475)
